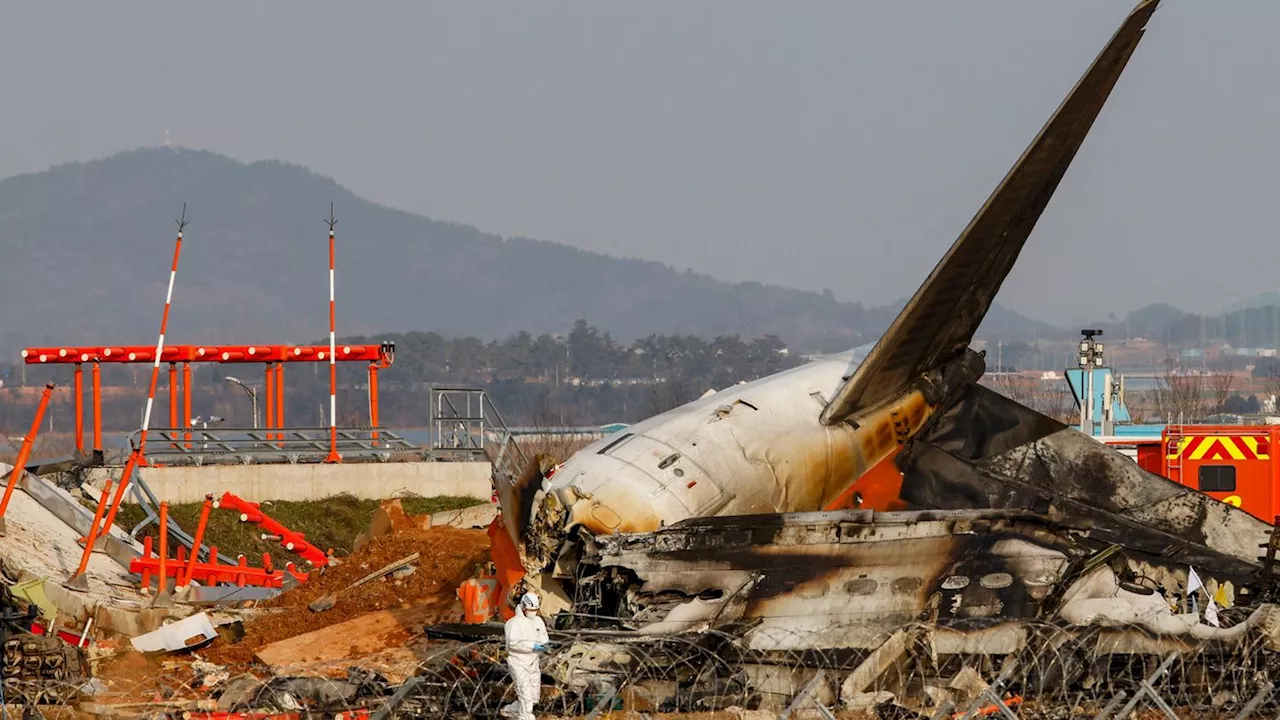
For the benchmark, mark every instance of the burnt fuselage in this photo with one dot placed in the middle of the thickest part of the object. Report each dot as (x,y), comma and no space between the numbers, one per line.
(753,448)
(844,579)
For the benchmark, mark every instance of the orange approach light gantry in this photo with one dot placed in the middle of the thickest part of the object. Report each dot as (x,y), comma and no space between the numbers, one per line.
(377,355)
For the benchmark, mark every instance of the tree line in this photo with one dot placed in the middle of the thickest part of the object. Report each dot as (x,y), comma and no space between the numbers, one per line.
(583,377)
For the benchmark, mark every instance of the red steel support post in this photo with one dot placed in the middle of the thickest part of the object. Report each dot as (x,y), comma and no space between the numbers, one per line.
(373,400)
(145,584)
(186,402)
(79,393)
(97,407)
(294,542)
(163,597)
(269,387)
(173,400)
(184,579)
(210,572)
(78,581)
(24,452)
(173,395)
(280,399)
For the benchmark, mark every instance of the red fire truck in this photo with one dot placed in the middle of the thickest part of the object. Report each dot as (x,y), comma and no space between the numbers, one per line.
(1232,463)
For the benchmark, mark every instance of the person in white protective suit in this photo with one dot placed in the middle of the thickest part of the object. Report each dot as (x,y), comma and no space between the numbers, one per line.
(526,638)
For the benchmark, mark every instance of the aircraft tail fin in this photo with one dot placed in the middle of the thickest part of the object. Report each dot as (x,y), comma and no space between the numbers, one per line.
(939,321)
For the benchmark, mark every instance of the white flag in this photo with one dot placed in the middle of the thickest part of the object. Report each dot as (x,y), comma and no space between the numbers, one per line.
(1211,613)
(1193,581)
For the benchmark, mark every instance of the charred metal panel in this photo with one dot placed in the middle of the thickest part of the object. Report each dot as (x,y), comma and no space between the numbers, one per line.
(982,423)
(839,579)
(1079,468)
(845,579)
(1082,482)
(974,456)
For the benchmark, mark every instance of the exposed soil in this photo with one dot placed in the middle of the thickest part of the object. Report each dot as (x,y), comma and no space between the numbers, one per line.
(134,677)
(447,556)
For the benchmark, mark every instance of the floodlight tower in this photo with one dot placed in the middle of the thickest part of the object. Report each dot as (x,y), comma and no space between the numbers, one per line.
(1090,357)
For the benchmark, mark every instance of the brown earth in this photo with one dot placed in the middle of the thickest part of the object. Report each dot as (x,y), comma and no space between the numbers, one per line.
(447,556)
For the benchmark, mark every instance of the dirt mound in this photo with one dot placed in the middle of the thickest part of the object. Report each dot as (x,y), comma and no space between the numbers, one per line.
(447,556)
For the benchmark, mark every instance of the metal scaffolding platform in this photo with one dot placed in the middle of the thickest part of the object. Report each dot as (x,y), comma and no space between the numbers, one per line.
(247,446)
(465,425)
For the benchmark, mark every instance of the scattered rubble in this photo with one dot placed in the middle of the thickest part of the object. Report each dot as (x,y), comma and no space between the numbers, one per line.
(324,602)
(447,556)
(341,644)
(476,517)
(394,641)
(388,518)
(186,634)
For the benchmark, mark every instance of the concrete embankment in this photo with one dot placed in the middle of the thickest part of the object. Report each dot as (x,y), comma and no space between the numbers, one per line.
(256,483)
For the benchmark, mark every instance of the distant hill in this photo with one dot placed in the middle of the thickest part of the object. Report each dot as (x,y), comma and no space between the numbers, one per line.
(90,245)
(1153,321)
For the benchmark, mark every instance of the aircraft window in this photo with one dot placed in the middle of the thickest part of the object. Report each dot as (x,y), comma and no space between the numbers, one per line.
(995,581)
(1218,478)
(907,585)
(861,586)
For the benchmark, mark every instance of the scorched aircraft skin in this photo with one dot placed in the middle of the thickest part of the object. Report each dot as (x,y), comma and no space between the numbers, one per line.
(794,441)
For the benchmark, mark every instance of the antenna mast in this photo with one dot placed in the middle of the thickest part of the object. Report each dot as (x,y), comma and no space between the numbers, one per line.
(333,457)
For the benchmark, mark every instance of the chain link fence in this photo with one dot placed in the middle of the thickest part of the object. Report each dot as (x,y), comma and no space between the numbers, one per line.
(1011,670)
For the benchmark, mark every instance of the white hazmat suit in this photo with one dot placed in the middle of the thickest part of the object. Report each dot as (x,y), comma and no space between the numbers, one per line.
(526,638)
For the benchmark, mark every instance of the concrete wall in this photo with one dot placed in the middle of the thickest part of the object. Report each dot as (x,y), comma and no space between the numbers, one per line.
(255,483)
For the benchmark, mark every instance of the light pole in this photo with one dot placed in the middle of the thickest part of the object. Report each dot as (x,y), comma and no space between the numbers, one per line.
(204,423)
(253,395)
(1090,357)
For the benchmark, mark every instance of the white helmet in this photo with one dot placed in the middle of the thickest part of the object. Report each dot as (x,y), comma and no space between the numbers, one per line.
(530,601)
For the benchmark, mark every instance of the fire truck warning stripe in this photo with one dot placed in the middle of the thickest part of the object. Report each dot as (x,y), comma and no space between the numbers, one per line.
(1220,447)
(1252,444)
(1217,447)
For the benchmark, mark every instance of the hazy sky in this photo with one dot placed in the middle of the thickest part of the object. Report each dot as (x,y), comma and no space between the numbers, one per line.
(837,145)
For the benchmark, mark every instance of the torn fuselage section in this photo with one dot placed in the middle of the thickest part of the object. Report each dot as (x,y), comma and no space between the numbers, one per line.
(819,581)
(752,449)
(986,451)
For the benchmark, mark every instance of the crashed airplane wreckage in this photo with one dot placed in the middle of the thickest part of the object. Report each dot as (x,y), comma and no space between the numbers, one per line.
(763,506)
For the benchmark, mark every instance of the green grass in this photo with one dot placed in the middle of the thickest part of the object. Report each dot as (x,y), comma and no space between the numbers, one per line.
(330,523)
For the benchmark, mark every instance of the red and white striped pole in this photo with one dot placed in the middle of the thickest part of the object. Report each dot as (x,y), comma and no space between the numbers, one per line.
(155,363)
(333,457)
(138,456)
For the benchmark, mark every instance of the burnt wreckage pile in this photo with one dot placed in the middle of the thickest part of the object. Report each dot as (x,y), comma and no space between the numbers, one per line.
(686,568)
(902,612)
(1048,569)
(1032,564)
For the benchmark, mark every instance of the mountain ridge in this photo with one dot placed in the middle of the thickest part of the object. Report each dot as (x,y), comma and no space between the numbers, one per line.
(94,240)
